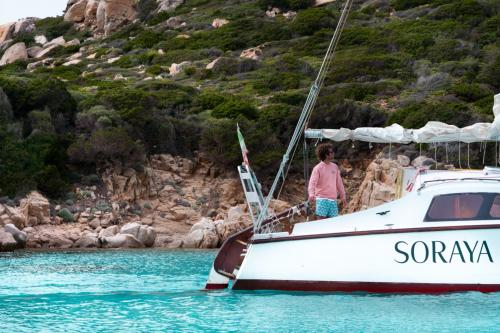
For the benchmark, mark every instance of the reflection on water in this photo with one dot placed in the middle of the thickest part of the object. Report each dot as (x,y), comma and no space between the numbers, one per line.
(159,291)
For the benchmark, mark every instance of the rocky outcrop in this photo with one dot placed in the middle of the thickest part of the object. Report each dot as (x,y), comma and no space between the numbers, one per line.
(14,53)
(13,29)
(11,238)
(120,241)
(168,5)
(254,53)
(7,241)
(24,26)
(101,16)
(218,22)
(322,2)
(144,234)
(36,209)
(202,235)
(6,31)
(127,185)
(380,183)
(177,68)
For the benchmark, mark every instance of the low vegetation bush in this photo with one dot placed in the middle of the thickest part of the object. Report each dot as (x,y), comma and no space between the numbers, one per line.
(286,4)
(418,114)
(233,108)
(308,21)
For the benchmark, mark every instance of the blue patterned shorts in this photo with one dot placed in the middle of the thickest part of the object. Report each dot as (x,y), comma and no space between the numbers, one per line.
(326,208)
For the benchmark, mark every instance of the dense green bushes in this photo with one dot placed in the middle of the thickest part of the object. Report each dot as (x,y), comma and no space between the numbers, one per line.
(286,4)
(308,21)
(39,94)
(417,115)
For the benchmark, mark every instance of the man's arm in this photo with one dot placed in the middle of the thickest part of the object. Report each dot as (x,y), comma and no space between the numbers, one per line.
(311,189)
(340,188)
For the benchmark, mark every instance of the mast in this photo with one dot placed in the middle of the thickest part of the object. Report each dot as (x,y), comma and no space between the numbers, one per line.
(306,111)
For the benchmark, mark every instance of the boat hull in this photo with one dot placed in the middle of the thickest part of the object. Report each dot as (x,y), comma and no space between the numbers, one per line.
(423,261)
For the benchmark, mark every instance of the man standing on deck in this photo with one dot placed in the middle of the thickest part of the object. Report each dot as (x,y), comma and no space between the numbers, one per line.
(325,185)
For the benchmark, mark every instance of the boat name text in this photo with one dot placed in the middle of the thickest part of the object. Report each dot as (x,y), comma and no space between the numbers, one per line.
(437,252)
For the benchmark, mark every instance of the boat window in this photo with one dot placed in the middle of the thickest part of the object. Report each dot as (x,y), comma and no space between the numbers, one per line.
(460,206)
(495,207)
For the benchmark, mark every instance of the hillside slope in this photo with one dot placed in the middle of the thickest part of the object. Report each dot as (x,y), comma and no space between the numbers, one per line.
(178,81)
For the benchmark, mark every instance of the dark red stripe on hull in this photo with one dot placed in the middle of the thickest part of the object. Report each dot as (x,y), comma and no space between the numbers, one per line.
(215,286)
(370,287)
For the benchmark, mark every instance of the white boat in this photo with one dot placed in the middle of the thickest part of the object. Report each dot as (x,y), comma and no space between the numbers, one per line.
(443,235)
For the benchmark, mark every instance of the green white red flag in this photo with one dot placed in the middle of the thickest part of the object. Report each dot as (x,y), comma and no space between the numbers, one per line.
(244,150)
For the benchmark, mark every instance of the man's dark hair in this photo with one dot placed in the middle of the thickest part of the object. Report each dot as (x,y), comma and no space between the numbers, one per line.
(322,150)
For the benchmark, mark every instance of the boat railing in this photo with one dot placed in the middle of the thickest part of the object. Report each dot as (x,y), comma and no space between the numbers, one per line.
(232,251)
(449,180)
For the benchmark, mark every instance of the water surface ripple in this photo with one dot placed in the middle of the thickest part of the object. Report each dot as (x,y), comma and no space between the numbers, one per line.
(160,291)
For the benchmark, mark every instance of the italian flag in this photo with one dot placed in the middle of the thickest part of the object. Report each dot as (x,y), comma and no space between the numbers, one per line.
(244,150)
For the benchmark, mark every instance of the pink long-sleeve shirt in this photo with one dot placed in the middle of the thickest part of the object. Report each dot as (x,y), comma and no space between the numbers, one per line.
(325,182)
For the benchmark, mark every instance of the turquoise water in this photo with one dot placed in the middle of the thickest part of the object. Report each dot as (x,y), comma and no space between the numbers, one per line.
(160,291)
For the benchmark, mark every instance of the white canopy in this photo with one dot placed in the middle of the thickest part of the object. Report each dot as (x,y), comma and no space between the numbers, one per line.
(433,131)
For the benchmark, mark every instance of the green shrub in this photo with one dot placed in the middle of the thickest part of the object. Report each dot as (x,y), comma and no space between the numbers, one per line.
(26,38)
(38,94)
(41,121)
(111,144)
(91,119)
(417,115)
(235,107)
(489,30)
(292,98)
(275,81)
(53,27)
(158,18)
(53,184)
(236,35)
(155,70)
(144,40)
(407,4)
(489,73)
(468,11)
(219,143)
(209,99)
(286,4)
(66,215)
(308,21)
(470,92)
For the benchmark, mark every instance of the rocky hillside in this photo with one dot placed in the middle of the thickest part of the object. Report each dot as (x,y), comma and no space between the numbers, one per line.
(114,82)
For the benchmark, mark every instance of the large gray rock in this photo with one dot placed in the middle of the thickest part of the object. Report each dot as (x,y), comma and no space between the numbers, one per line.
(147,235)
(131,229)
(120,241)
(423,161)
(7,241)
(24,26)
(168,5)
(7,31)
(14,53)
(87,240)
(110,231)
(202,235)
(75,11)
(143,233)
(18,235)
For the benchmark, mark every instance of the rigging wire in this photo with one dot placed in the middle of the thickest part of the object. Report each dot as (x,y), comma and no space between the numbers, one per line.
(307,109)
(484,151)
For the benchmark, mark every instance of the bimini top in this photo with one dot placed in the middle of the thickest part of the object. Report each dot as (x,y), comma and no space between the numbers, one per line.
(432,132)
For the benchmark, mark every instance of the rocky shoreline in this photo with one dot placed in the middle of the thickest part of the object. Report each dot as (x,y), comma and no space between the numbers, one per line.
(173,203)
